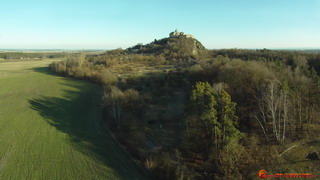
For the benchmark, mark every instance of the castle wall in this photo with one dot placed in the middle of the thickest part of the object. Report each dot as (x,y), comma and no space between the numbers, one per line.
(178,34)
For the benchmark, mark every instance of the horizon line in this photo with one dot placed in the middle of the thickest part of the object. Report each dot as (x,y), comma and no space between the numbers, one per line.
(107,49)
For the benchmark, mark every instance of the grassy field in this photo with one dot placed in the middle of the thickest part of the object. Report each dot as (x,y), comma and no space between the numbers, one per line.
(50,128)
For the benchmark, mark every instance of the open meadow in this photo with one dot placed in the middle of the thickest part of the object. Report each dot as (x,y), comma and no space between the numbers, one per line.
(50,128)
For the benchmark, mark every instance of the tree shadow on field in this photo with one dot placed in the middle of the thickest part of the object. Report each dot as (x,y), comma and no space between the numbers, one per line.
(78,114)
(44,70)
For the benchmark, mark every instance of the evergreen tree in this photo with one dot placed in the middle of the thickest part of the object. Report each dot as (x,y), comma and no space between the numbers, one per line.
(228,119)
(203,127)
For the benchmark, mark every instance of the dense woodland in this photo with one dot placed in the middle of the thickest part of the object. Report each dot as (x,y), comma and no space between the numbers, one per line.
(214,114)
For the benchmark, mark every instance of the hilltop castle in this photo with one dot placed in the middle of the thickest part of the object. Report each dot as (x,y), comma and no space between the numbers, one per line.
(176,33)
(176,40)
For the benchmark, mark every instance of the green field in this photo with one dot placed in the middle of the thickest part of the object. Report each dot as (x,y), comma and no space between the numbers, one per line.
(50,128)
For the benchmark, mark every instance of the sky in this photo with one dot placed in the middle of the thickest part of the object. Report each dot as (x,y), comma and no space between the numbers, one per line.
(109,24)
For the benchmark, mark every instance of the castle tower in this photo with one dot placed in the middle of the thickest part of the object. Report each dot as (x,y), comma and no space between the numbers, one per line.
(175,33)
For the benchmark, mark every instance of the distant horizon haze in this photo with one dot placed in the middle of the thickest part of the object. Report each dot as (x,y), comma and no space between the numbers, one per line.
(217,24)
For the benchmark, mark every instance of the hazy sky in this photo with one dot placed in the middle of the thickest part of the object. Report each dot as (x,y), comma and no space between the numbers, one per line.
(110,24)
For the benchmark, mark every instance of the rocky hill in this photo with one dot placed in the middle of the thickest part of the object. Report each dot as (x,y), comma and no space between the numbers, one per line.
(177,45)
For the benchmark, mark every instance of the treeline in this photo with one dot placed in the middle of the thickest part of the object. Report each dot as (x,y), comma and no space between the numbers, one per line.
(291,58)
(234,103)
(117,99)
(23,55)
